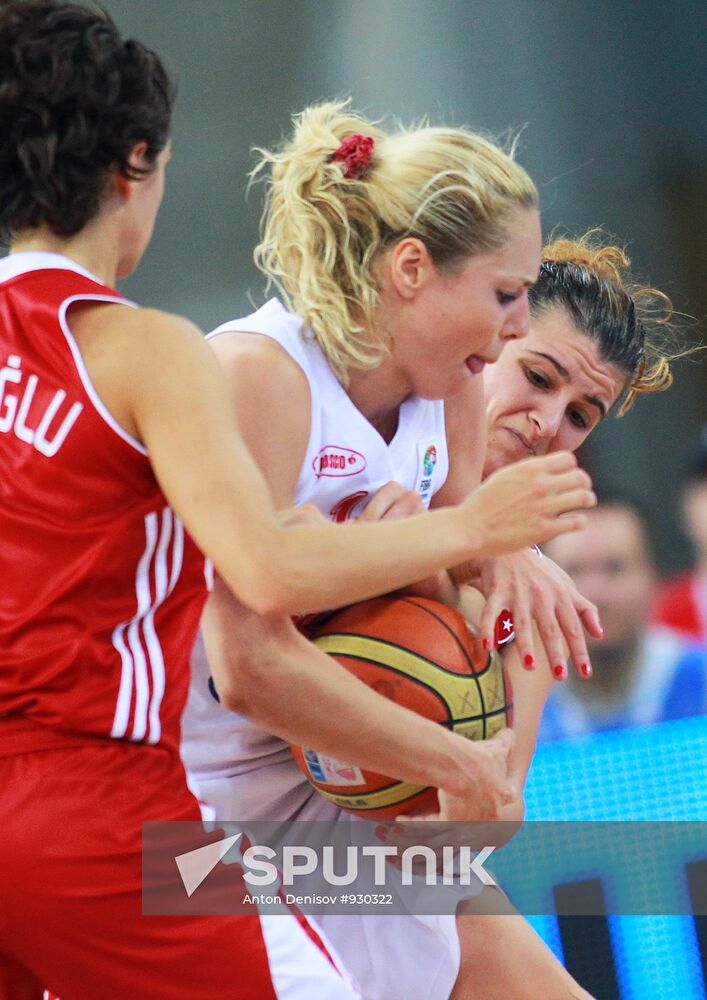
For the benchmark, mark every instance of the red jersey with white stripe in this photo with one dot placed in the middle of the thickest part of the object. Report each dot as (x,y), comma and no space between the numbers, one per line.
(102,588)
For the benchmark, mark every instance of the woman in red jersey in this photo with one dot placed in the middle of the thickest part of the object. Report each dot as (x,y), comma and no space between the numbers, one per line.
(121,465)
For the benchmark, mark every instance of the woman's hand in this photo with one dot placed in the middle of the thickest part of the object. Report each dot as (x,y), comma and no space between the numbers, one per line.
(529,502)
(535,589)
(487,813)
(392,502)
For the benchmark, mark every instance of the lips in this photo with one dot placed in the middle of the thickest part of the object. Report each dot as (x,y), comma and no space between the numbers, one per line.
(522,439)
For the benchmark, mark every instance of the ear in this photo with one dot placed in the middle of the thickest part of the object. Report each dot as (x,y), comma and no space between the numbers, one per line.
(123,183)
(137,155)
(410,266)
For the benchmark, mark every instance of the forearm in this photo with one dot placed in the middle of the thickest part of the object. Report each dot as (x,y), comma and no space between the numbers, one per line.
(531,689)
(269,673)
(322,568)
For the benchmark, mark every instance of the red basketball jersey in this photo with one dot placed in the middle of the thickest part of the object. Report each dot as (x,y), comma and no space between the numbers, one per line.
(101,588)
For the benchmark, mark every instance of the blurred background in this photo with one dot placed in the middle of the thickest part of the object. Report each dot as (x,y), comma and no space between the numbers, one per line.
(612,100)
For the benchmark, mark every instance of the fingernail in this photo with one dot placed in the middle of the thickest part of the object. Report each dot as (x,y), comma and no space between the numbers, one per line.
(486,644)
(601,628)
(560,672)
(586,669)
(529,661)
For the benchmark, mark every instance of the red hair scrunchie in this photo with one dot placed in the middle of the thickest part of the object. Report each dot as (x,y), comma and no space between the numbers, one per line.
(355,154)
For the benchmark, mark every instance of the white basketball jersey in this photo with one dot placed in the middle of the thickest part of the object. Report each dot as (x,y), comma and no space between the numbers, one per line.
(346,463)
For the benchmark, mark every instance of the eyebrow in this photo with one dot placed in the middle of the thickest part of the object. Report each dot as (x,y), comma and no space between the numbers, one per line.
(564,374)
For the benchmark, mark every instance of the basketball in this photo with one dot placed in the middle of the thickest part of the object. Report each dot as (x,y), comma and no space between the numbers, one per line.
(422,655)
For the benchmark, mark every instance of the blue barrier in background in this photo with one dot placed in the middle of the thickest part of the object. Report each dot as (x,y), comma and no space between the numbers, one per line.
(653,773)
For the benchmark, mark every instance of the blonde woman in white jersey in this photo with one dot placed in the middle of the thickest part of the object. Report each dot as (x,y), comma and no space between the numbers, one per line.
(406,261)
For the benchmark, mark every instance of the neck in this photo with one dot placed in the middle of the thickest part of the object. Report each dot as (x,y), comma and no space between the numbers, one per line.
(92,248)
(378,393)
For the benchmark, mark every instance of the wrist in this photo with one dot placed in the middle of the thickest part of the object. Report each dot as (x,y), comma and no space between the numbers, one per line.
(472,539)
(460,765)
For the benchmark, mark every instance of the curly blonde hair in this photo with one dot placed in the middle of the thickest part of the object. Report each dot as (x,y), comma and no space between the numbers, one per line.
(591,279)
(321,232)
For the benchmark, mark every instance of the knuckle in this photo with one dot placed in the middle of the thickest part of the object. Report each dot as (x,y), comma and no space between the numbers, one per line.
(541,487)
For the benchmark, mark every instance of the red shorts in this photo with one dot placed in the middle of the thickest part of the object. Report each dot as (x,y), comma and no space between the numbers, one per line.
(71,876)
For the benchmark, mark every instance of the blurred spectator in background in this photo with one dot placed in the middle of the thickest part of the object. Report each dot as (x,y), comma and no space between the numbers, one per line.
(642,673)
(682,601)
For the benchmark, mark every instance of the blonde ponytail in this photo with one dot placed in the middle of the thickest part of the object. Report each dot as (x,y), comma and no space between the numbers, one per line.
(322,231)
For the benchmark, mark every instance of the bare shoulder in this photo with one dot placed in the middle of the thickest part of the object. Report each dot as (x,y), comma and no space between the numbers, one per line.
(136,354)
(272,401)
(129,332)
(250,359)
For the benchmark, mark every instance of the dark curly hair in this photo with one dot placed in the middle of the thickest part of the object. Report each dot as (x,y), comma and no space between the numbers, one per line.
(74,100)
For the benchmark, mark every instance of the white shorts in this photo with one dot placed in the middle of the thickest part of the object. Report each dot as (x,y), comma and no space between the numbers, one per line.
(387,956)
(299,968)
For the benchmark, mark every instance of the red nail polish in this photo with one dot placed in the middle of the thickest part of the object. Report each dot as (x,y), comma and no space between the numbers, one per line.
(486,644)
(586,669)
(528,661)
(560,672)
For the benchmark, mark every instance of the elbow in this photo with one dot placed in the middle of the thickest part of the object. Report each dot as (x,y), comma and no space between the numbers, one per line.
(235,699)
(251,673)
(240,687)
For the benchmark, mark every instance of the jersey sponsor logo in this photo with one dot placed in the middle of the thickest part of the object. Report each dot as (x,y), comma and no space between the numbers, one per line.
(335,461)
(50,431)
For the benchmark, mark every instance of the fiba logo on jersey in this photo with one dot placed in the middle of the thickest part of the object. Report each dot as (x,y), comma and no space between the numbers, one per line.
(427,455)
(335,461)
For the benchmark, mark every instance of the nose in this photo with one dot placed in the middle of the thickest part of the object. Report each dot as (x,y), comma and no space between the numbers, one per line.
(517,322)
(546,415)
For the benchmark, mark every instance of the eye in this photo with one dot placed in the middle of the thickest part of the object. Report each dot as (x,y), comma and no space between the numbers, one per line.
(578,418)
(537,378)
(505,298)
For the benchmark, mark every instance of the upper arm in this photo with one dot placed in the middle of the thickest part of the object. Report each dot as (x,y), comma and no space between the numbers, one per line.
(164,385)
(270,397)
(465,425)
